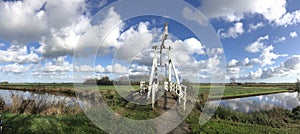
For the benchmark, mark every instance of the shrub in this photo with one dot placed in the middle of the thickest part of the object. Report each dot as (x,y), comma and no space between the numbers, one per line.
(298,85)
(276,117)
(296,113)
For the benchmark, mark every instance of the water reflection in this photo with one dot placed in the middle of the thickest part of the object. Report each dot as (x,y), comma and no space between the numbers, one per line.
(7,95)
(263,102)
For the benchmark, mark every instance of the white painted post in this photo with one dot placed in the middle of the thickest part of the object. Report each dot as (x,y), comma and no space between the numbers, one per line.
(170,69)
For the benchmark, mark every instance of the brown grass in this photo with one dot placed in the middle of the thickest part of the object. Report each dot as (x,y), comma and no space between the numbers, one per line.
(42,107)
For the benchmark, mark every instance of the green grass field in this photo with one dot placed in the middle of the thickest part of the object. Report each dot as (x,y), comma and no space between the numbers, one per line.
(243,91)
(260,122)
(229,91)
(22,123)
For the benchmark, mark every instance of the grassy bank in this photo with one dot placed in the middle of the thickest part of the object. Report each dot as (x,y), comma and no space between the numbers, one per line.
(224,121)
(22,123)
(245,91)
(229,91)
(40,88)
(276,120)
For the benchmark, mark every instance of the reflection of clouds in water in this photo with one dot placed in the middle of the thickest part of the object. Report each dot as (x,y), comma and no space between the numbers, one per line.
(233,106)
(263,102)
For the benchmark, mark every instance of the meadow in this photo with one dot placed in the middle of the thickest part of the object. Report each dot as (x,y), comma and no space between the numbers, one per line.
(277,120)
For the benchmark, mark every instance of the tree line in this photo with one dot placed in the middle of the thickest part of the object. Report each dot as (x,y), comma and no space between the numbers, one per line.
(103,81)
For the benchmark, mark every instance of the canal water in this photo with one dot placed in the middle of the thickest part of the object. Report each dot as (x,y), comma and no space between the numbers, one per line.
(288,100)
(7,95)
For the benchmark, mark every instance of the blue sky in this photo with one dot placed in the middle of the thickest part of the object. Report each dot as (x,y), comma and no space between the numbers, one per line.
(259,39)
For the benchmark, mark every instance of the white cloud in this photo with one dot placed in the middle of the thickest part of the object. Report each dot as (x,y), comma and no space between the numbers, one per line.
(214,51)
(193,45)
(280,39)
(139,70)
(255,27)
(258,45)
(192,15)
(233,62)
(55,24)
(30,20)
(15,68)
(270,9)
(234,10)
(289,67)
(23,21)
(63,41)
(289,19)
(294,34)
(246,63)
(62,13)
(18,54)
(87,68)
(293,63)
(267,56)
(255,75)
(232,32)
(130,41)
(210,65)
(182,51)
(116,68)
(59,65)
(103,36)
(233,72)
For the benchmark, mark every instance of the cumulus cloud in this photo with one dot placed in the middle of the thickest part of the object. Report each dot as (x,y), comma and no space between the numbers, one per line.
(116,68)
(293,34)
(56,26)
(15,68)
(288,67)
(267,56)
(59,65)
(279,39)
(258,45)
(23,21)
(236,67)
(253,27)
(63,41)
(246,63)
(233,72)
(209,66)
(293,63)
(131,39)
(18,54)
(87,68)
(289,19)
(62,13)
(192,15)
(30,20)
(234,10)
(214,51)
(232,32)
(102,36)
(139,70)
(193,45)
